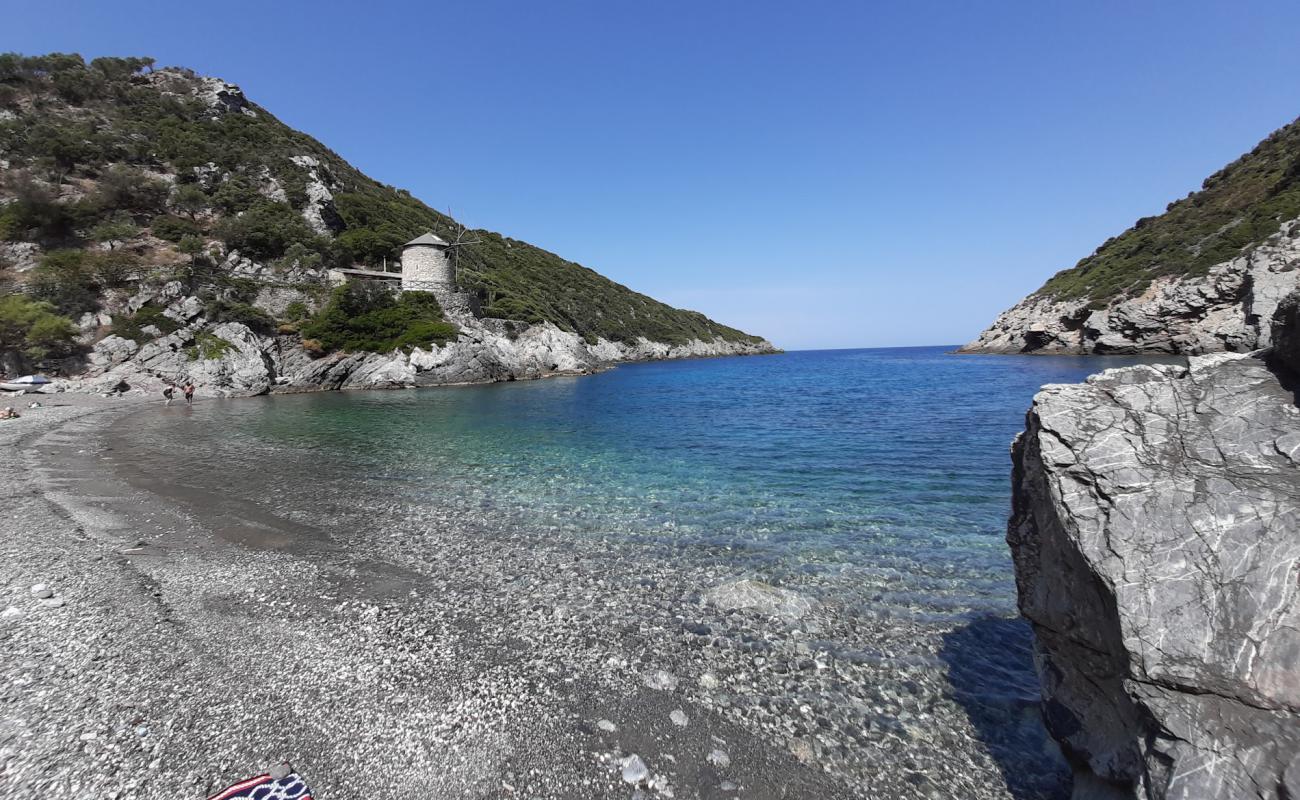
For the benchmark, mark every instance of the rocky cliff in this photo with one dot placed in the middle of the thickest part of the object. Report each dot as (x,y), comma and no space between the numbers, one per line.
(1204,277)
(1227,310)
(486,350)
(1156,537)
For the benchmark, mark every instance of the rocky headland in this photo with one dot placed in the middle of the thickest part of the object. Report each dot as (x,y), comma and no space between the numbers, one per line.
(1203,277)
(1227,310)
(158,226)
(250,363)
(1156,513)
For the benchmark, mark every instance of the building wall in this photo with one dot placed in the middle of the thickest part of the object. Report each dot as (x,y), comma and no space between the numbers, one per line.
(427,269)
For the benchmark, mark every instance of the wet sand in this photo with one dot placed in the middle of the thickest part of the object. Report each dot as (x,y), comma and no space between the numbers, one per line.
(203,639)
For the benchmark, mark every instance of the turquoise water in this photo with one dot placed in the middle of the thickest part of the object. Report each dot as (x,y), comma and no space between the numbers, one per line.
(877,475)
(591,515)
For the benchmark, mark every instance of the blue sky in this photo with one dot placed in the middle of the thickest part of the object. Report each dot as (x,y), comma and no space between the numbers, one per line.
(826,174)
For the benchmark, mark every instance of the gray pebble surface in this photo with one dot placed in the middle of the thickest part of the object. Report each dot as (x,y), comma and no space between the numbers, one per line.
(180,658)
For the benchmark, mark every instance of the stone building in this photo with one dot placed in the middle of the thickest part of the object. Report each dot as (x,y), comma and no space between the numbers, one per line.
(427,267)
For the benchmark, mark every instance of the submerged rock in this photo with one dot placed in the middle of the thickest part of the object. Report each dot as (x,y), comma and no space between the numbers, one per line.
(752,595)
(1155,524)
(634,769)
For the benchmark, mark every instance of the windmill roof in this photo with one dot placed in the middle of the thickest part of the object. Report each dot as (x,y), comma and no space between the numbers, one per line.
(427,238)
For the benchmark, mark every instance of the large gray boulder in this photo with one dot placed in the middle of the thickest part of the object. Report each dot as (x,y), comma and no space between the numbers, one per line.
(1156,537)
(1286,334)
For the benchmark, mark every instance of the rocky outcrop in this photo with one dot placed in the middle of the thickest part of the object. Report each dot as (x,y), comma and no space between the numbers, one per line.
(238,361)
(1286,335)
(1227,310)
(1156,537)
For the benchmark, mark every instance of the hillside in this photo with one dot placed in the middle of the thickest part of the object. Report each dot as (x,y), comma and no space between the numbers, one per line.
(1204,276)
(124,181)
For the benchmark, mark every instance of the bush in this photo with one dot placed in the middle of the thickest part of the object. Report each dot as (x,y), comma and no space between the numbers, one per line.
(174,229)
(267,231)
(362,317)
(190,200)
(148,314)
(129,189)
(296,311)
(65,279)
(72,280)
(114,232)
(254,318)
(236,195)
(207,346)
(32,328)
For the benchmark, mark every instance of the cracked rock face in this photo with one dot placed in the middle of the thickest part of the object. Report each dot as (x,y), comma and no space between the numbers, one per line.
(1156,535)
(487,350)
(1227,310)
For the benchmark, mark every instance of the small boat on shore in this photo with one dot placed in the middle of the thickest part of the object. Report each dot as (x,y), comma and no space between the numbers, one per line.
(27,383)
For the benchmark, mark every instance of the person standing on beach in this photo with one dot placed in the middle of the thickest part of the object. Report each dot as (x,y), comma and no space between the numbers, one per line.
(189,394)
(168,391)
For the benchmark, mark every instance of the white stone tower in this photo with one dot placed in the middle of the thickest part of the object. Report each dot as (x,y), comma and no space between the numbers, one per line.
(426,267)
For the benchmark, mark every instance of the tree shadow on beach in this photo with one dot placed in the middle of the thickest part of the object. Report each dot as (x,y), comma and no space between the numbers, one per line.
(991,671)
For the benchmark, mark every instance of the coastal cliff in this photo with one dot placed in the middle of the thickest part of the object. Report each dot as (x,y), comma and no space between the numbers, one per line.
(1154,532)
(1203,277)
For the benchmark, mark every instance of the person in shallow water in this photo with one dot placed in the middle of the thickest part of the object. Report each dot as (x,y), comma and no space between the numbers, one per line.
(168,391)
(189,394)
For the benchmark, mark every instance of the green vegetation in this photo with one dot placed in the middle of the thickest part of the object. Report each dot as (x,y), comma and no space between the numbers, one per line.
(1236,208)
(362,317)
(174,229)
(114,232)
(246,314)
(131,327)
(71,280)
(114,125)
(207,346)
(31,327)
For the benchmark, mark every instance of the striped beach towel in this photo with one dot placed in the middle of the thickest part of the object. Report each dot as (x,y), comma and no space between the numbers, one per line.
(281,783)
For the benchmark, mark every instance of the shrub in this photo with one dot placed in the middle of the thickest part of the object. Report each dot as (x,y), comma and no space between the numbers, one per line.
(71,280)
(132,327)
(32,328)
(207,346)
(114,232)
(130,189)
(362,317)
(190,200)
(65,279)
(296,311)
(266,231)
(236,195)
(254,318)
(173,229)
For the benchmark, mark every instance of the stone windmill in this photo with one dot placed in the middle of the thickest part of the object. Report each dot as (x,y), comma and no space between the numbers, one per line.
(429,265)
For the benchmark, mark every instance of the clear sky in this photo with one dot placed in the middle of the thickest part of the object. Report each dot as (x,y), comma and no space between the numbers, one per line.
(825,174)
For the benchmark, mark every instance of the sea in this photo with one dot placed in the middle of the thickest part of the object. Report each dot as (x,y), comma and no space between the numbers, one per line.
(874,481)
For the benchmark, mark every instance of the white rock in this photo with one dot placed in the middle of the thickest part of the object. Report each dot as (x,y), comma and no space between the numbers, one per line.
(719,758)
(634,769)
(679,718)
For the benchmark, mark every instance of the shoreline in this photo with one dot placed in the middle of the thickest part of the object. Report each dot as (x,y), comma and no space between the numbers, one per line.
(486,667)
(166,618)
